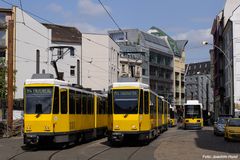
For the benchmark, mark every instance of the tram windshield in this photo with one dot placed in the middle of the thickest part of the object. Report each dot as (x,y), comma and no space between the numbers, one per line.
(125,101)
(38,100)
(172,114)
(193,111)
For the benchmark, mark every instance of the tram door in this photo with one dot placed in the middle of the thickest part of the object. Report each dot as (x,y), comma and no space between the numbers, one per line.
(141,101)
(145,116)
(61,121)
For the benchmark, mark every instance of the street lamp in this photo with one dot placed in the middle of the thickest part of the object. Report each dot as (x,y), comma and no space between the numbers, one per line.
(231,74)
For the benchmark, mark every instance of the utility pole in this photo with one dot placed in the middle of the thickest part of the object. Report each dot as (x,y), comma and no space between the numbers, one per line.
(207,100)
(10,76)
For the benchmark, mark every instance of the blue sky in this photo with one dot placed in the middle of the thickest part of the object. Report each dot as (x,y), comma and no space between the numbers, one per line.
(181,19)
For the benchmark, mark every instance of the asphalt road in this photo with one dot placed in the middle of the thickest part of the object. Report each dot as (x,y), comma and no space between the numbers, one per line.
(173,144)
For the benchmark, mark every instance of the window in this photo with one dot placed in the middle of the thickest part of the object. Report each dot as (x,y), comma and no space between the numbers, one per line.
(153,104)
(56,101)
(60,53)
(2,53)
(78,103)
(123,68)
(90,104)
(101,106)
(72,70)
(146,103)
(64,102)
(160,105)
(84,103)
(141,102)
(3,38)
(143,72)
(110,102)
(72,53)
(71,102)
(38,100)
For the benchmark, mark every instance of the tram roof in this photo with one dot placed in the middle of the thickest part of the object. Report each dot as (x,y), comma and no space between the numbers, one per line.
(47,81)
(130,84)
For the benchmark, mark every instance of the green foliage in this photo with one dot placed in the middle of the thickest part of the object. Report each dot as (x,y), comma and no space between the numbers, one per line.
(3,83)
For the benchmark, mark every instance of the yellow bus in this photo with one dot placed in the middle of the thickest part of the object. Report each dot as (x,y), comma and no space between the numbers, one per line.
(193,115)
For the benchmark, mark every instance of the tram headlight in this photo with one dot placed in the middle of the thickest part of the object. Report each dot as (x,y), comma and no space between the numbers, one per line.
(134,127)
(116,127)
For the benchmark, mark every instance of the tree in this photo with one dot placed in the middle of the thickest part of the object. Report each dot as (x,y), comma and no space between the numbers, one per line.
(3,83)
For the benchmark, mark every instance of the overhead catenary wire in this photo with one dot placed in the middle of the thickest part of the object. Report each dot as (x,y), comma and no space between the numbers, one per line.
(54,23)
(110,16)
(97,43)
(20,1)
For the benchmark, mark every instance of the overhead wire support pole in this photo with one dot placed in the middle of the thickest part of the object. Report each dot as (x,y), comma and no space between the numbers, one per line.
(10,77)
(232,105)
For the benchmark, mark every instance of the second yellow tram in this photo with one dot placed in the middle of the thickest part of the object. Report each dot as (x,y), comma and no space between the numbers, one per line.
(136,111)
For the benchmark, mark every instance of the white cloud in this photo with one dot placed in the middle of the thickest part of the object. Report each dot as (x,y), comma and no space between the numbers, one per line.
(195,37)
(88,28)
(55,7)
(90,8)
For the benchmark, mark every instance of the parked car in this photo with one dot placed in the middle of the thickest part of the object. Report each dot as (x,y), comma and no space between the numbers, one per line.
(219,126)
(232,129)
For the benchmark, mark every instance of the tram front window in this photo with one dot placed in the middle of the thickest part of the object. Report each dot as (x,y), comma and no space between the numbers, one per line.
(38,100)
(171,114)
(125,101)
(193,111)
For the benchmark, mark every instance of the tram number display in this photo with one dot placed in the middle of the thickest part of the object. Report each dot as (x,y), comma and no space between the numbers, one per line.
(126,93)
(39,91)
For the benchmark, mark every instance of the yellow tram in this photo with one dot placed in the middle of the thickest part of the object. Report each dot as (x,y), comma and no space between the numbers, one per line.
(173,116)
(56,111)
(136,111)
(193,115)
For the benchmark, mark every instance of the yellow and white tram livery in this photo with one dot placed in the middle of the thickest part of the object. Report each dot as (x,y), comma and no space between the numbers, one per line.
(173,116)
(56,111)
(136,111)
(193,115)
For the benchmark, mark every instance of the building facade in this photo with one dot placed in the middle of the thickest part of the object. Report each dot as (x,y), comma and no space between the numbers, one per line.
(156,58)
(177,48)
(100,61)
(225,31)
(35,46)
(199,85)
(132,48)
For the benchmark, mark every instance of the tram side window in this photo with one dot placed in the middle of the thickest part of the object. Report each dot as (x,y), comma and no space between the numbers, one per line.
(141,102)
(110,102)
(106,105)
(153,104)
(56,101)
(64,102)
(71,102)
(89,106)
(166,108)
(146,103)
(78,103)
(84,103)
(160,103)
(100,106)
